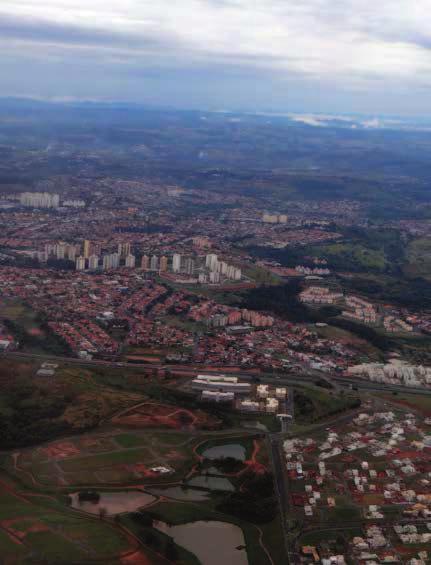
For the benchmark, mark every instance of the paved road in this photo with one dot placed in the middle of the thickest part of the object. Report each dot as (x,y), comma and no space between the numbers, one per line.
(280,485)
(192,370)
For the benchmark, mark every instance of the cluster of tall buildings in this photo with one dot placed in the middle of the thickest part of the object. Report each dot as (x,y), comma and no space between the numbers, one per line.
(212,271)
(218,269)
(76,203)
(181,264)
(154,263)
(60,250)
(234,317)
(39,200)
(274,218)
(395,373)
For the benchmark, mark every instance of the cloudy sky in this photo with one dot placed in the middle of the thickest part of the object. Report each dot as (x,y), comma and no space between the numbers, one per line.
(370,56)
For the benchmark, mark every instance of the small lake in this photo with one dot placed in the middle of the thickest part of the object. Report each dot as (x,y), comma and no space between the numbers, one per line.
(212,542)
(211,483)
(113,502)
(180,493)
(234,450)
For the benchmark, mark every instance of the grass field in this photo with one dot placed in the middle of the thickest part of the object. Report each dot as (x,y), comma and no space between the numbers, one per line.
(118,458)
(413,401)
(418,260)
(39,528)
(17,311)
(364,258)
(313,404)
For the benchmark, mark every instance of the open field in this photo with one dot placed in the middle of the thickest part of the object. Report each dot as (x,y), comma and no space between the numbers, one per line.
(414,402)
(313,404)
(114,461)
(35,527)
(20,313)
(418,261)
(35,408)
(154,415)
(29,329)
(114,458)
(361,256)
(117,457)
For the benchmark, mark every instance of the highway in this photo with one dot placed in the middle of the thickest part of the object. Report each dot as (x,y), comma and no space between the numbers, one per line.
(309,377)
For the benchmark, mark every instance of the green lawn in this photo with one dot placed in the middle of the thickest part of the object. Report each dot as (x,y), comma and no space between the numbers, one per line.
(418,263)
(51,531)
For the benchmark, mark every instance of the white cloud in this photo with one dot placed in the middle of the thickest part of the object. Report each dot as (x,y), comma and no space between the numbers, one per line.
(359,44)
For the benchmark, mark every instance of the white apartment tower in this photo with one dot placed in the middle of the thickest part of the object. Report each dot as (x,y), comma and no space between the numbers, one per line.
(176,263)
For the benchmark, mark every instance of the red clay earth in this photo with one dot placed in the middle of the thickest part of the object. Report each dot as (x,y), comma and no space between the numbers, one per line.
(137,558)
(21,534)
(36,332)
(253,463)
(61,450)
(142,469)
(159,415)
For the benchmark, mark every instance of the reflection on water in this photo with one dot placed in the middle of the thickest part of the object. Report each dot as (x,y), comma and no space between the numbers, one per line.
(234,450)
(211,483)
(113,502)
(213,543)
(180,493)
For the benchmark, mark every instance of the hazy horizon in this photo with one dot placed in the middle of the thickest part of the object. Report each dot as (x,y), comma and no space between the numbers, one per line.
(350,57)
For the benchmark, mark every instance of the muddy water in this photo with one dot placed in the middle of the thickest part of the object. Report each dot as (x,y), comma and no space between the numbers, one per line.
(211,483)
(113,502)
(180,493)
(202,538)
(234,450)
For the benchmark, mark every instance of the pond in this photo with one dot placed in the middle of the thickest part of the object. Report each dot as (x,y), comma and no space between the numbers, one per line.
(234,450)
(113,502)
(202,538)
(180,493)
(211,483)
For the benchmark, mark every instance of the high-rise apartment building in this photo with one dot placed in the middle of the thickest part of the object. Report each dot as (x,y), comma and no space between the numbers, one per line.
(80,263)
(130,261)
(154,263)
(60,251)
(50,249)
(176,263)
(145,262)
(111,261)
(124,249)
(93,262)
(71,252)
(87,248)
(211,262)
(39,200)
(163,267)
(189,266)
(106,262)
(115,260)
(214,277)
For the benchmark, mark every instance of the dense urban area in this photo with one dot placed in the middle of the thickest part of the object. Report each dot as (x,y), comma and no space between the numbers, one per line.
(207,346)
